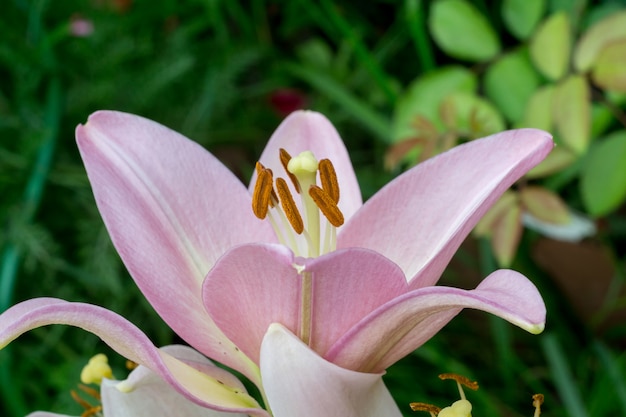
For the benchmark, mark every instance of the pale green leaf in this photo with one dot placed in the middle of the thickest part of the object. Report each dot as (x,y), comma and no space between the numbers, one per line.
(594,40)
(474,116)
(462,32)
(424,97)
(603,178)
(572,113)
(538,112)
(510,82)
(521,16)
(550,46)
(609,70)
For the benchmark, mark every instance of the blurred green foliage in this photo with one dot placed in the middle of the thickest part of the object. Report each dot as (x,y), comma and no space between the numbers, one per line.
(402,81)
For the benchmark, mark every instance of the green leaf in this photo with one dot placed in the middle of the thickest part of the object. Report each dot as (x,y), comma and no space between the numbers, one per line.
(550,47)
(474,116)
(572,113)
(521,16)
(425,95)
(603,178)
(538,112)
(601,34)
(510,82)
(609,70)
(462,32)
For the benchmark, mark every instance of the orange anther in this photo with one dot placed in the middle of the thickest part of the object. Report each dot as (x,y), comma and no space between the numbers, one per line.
(328,178)
(289,206)
(537,402)
(466,382)
(262,193)
(432,409)
(284,160)
(327,205)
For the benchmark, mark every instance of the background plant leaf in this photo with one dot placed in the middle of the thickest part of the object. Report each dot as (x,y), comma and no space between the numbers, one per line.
(521,16)
(510,82)
(550,46)
(461,31)
(603,179)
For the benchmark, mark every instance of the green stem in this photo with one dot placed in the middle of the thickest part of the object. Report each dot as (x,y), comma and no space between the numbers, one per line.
(500,330)
(416,21)
(562,377)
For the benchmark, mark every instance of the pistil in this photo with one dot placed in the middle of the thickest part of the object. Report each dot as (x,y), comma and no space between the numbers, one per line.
(304,168)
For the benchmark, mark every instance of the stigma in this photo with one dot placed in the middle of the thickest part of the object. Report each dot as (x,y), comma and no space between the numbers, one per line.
(308,226)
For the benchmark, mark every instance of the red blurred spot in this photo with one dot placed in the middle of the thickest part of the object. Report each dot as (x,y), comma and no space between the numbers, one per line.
(287,100)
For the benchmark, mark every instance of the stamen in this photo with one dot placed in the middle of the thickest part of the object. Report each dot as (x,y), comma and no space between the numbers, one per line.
(432,409)
(80,401)
(466,382)
(289,205)
(328,178)
(90,391)
(262,192)
(537,402)
(327,205)
(284,160)
(260,167)
(92,411)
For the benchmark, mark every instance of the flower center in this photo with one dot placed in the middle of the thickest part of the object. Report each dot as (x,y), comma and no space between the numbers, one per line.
(300,226)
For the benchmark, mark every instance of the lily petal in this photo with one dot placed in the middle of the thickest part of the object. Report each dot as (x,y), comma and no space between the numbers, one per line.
(171,209)
(298,382)
(46,414)
(127,340)
(421,218)
(311,131)
(404,324)
(346,286)
(151,395)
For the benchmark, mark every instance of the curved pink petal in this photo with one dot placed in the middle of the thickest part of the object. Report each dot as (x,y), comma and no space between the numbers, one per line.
(298,382)
(171,209)
(311,131)
(190,357)
(420,219)
(250,287)
(404,324)
(346,286)
(127,340)
(46,414)
(145,394)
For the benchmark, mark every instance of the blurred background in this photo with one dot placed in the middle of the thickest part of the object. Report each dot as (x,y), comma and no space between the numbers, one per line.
(401,81)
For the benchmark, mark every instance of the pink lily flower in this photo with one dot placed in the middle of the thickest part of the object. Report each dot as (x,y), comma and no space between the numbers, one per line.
(311,304)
